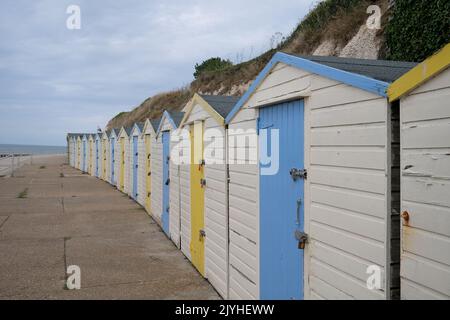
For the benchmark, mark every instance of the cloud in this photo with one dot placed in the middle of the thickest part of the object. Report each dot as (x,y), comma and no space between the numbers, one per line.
(54,80)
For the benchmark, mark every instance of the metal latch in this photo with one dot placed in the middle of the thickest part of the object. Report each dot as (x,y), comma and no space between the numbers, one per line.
(298,174)
(167,182)
(302,239)
(202,183)
(201,164)
(202,233)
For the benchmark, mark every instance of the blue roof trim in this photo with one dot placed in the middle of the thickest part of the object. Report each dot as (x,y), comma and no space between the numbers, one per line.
(166,115)
(356,80)
(136,126)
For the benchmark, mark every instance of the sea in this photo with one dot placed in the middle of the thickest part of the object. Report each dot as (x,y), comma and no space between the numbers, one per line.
(31,149)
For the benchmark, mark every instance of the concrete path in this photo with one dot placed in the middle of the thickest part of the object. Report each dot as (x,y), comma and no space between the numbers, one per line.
(52,216)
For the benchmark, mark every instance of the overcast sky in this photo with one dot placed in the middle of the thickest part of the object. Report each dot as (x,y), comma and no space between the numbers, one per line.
(54,80)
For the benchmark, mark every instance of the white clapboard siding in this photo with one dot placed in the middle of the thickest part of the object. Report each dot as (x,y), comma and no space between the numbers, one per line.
(126,185)
(99,155)
(142,176)
(216,221)
(185,199)
(425,190)
(156,167)
(347,211)
(243,214)
(116,163)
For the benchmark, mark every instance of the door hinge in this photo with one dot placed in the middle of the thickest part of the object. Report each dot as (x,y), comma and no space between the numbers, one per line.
(167,182)
(202,183)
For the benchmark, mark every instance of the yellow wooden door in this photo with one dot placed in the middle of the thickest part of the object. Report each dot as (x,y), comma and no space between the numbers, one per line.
(104,150)
(148,172)
(122,164)
(197,246)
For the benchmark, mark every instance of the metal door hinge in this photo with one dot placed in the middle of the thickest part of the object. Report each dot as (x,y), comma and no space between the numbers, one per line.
(298,174)
(202,233)
(202,183)
(167,182)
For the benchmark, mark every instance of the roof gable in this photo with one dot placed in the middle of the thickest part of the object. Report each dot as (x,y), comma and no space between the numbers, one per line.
(137,129)
(216,106)
(326,67)
(423,72)
(174,119)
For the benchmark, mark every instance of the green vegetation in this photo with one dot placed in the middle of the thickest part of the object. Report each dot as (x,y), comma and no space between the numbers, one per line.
(212,64)
(418,28)
(23,194)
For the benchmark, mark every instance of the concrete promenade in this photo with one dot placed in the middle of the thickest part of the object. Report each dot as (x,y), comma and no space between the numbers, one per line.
(52,217)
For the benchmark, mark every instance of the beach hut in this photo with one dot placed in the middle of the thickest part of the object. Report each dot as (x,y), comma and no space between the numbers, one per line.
(91,154)
(313,154)
(165,177)
(204,210)
(105,156)
(98,154)
(72,147)
(84,152)
(424,94)
(114,156)
(124,160)
(78,146)
(149,136)
(136,150)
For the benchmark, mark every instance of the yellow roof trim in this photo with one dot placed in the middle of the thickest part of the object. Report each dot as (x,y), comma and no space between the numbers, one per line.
(420,74)
(148,125)
(205,105)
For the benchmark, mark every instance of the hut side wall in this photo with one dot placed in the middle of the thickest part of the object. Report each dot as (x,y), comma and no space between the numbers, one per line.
(425,141)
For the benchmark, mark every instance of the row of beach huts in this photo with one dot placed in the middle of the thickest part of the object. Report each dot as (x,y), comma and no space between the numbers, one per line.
(328,179)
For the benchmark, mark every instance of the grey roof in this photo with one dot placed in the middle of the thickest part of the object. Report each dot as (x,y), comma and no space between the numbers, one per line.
(222,104)
(155,123)
(70,135)
(128,130)
(176,117)
(115,130)
(383,70)
(140,125)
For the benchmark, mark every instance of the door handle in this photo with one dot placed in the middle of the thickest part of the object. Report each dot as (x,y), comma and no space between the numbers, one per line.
(299,206)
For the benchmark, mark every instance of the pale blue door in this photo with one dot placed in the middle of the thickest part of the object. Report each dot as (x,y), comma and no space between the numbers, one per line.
(281,202)
(113,178)
(166,181)
(135,167)
(96,158)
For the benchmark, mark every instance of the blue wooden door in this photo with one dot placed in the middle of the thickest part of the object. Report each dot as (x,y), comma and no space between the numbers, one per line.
(96,158)
(166,181)
(281,202)
(135,167)
(84,156)
(113,178)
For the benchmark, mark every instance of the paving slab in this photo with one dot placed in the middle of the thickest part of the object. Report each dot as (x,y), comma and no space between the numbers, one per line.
(69,218)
